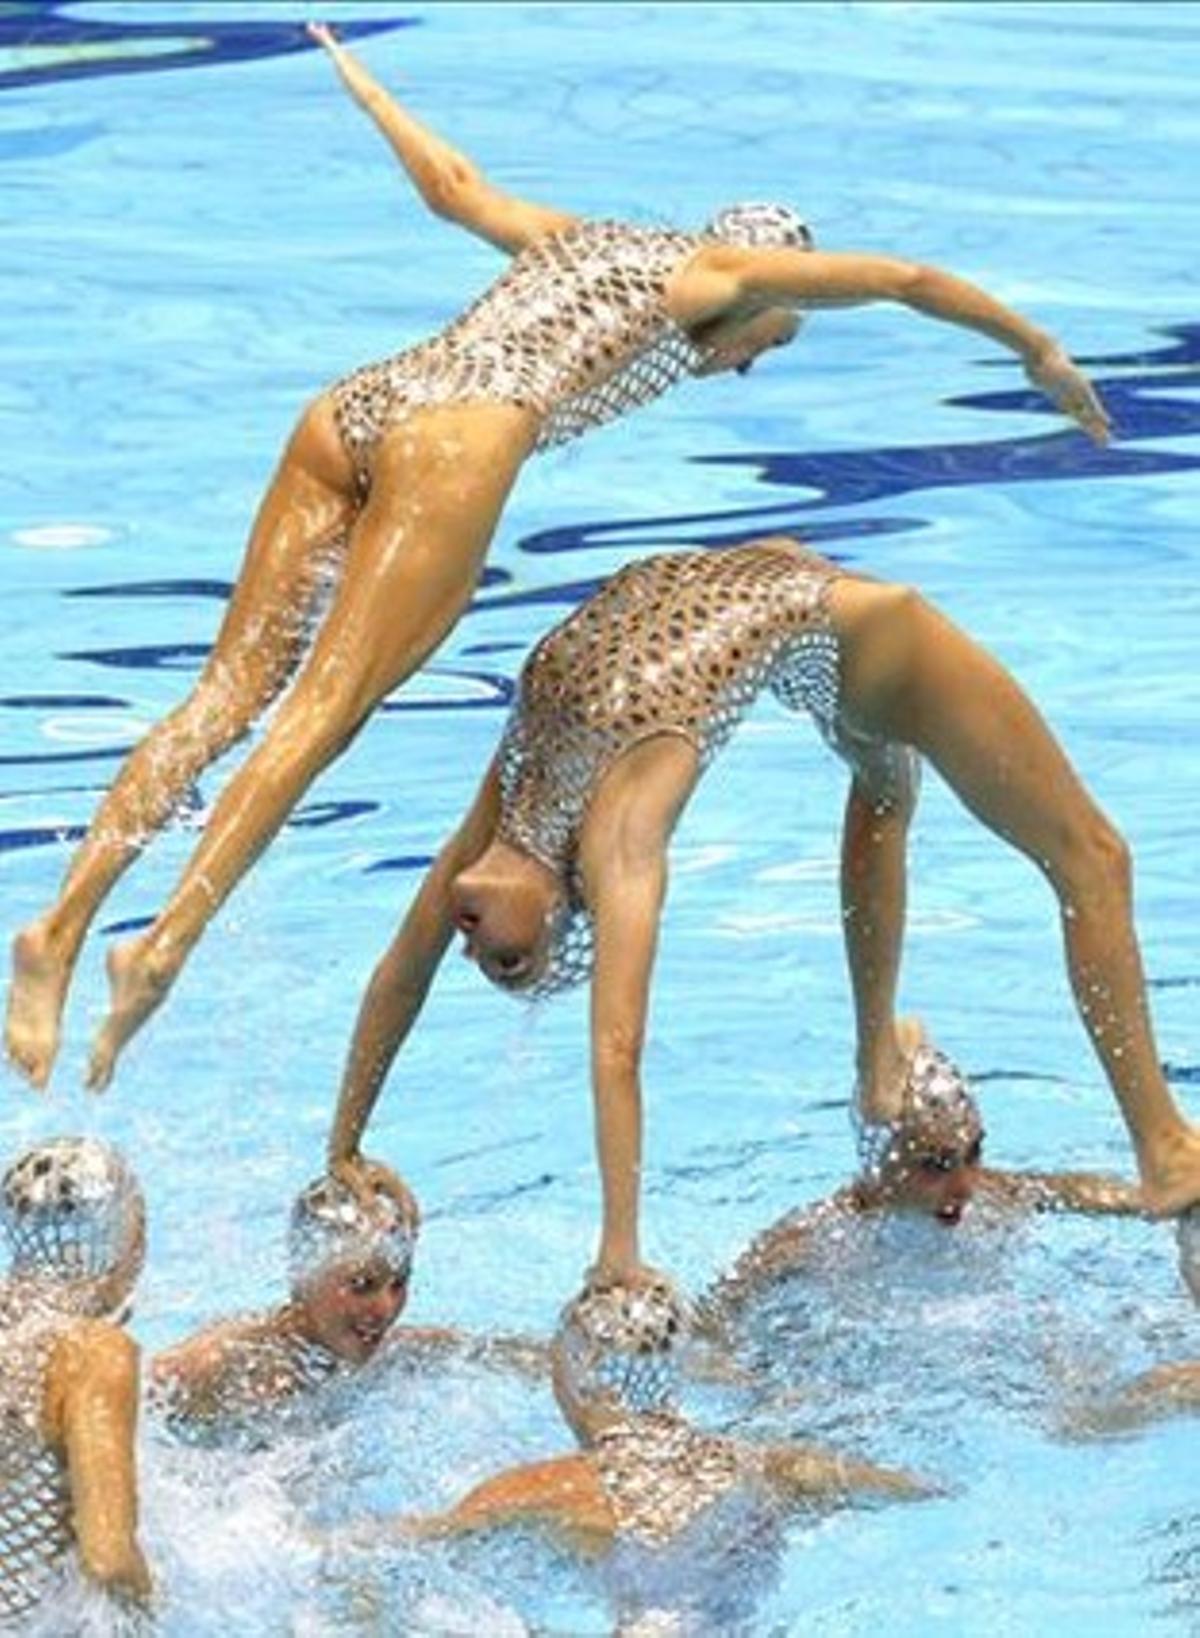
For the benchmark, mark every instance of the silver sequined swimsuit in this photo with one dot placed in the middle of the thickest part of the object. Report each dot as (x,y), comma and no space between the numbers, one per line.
(679,644)
(576,329)
(265,1379)
(660,1474)
(36,1532)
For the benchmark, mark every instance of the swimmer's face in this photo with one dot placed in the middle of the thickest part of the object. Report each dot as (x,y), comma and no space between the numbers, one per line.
(933,1168)
(351,1305)
(736,346)
(504,905)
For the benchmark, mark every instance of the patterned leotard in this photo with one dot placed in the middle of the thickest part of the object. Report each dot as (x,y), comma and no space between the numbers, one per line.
(576,328)
(660,1474)
(266,1379)
(36,1532)
(679,644)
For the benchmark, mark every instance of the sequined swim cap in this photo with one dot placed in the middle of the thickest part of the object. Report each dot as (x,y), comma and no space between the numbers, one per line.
(331,1224)
(935,1094)
(761,226)
(1187,1236)
(622,1346)
(71,1209)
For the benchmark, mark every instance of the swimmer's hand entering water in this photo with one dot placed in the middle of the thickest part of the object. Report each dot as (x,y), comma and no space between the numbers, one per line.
(1053,371)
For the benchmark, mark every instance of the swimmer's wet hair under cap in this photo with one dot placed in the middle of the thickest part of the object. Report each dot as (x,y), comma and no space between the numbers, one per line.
(71,1209)
(935,1092)
(621,1347)
(330,1223)
(761,226)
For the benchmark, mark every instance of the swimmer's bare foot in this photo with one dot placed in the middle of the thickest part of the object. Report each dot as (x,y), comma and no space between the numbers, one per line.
(879,1094)
(1171,1174)
(41,971)
(138,981)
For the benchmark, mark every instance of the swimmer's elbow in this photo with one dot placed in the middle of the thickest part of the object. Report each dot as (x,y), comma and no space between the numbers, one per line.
(453,190)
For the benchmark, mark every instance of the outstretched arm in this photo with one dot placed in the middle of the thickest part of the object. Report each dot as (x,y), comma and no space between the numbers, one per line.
(624,864)
(776,1253)
(1165,1391)
(1089,1193)
(447,181)
(401,981)
(92,1412)
(801,1473)
(562,1494)
(832,279)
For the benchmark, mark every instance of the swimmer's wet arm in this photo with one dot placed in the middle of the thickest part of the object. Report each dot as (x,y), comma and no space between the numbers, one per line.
(527,1355)
(816,279)
(627,899)
(400,982)
(1165,1391)
(450,184)
(803,1472)
(772,1255)
(94,1404)
(1088,1193)
(562,1493)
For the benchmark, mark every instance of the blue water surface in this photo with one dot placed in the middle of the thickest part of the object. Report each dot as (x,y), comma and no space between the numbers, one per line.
(202,231)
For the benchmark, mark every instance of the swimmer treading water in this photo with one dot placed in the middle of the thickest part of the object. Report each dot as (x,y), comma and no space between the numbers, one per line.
(72,1221)
(350,1257)
(644,1472)
(393,483)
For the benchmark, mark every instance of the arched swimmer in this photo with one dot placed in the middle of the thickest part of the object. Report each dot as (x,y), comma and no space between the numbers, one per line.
(620,709)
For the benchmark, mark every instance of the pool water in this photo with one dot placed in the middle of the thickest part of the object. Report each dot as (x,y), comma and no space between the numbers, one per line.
(202,231)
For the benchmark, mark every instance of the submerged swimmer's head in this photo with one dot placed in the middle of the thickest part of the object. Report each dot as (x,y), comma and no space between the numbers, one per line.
(761,225)
(617,1352)
(350,1258)
(517,924)
(928,1160)
(74,1219)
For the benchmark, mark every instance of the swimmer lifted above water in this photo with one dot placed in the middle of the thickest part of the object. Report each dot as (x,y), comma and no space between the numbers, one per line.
(393,482)
(73,1221)
(350,1257)
(621,707)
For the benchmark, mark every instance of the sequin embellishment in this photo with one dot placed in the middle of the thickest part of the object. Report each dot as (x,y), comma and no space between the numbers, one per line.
(678,644)
(575,328)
